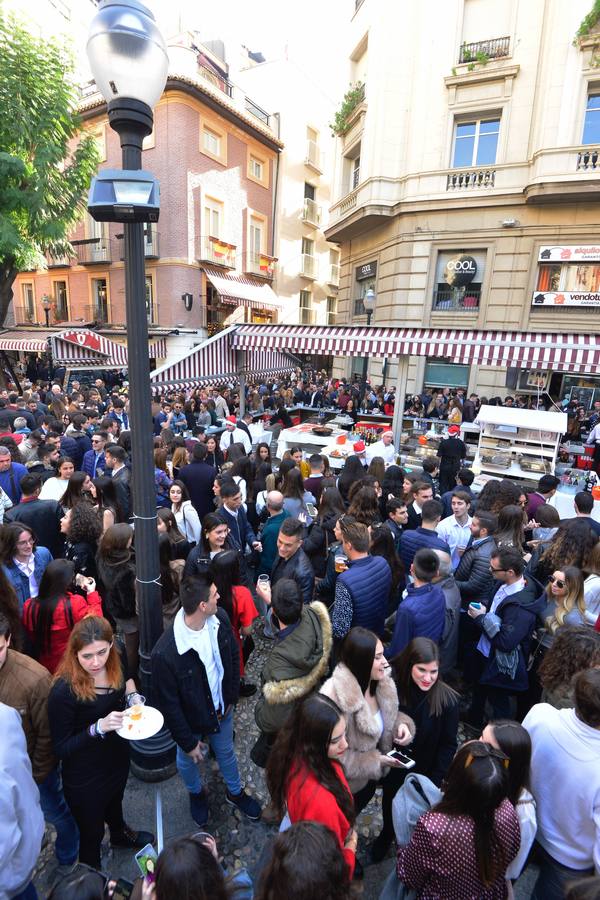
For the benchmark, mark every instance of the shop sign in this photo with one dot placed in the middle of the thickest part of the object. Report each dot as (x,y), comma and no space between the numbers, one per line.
(581,253)
(460,270)
(369,270)
(82,339)
(565,298)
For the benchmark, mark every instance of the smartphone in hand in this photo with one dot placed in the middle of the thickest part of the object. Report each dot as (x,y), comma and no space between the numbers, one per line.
(146,860)
(405,761)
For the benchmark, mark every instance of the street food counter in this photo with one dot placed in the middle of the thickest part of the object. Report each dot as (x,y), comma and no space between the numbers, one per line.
(519,443)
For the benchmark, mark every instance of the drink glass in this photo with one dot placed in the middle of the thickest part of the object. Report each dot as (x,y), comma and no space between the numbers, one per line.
(136,711)
(264,581)
(341,563)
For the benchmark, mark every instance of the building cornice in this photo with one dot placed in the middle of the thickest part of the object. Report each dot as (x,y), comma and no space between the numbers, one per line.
(203,92)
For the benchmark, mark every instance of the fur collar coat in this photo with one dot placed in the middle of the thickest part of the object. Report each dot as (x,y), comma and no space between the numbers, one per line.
(362,759)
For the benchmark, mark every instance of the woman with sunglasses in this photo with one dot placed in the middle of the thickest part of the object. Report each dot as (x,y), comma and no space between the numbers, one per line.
(566,602)
(463,846)
(305,774)
(434,707)
(86,706)
(513,740)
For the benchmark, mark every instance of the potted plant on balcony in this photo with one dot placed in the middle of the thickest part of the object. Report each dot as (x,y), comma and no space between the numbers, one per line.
(353,96)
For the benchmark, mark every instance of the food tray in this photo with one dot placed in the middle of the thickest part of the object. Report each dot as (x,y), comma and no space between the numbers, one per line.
(533,465)
(500,460)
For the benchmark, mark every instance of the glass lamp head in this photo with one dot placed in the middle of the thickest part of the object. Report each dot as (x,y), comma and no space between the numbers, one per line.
(127,52)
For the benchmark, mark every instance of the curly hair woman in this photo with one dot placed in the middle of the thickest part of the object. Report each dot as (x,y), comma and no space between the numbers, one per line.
(82,528)
(572,545)
(498,494)
(364,506)
(575,648)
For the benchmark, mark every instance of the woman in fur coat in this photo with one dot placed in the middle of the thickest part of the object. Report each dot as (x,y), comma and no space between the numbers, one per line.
(362,688)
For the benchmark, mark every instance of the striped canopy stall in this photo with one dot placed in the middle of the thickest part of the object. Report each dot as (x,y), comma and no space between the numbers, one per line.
(23,341)
(546,350)
(239,290)
(82,348)
(215,361)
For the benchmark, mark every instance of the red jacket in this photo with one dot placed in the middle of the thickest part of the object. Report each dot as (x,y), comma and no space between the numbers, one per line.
(69,610)
(307,799)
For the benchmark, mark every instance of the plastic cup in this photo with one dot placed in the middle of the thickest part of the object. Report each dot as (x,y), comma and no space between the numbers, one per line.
(136,711)
(341,563)
(264,581)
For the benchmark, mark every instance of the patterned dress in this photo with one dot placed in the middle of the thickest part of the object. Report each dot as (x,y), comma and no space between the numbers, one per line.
(440,861)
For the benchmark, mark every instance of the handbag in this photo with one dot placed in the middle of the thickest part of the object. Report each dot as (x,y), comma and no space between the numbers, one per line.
(259,753)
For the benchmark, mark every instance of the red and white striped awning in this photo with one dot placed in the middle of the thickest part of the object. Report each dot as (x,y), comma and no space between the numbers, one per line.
(24,341)
(216,362)
(527,350)
(242,291)
(158,347)
(82,347)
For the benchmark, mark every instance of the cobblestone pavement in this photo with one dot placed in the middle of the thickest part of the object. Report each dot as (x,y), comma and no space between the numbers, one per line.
(240,841)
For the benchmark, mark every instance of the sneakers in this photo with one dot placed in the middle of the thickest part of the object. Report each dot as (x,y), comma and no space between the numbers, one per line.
(129,839)
(199,808)
(247,689)
(246,804)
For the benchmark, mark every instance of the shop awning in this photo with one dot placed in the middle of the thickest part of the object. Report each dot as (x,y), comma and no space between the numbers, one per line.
(216,362)
(81,347)
(547,351)
(24,341)
(241,291)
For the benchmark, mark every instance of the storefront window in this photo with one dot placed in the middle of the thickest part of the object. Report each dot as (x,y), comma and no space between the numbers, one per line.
(442,374)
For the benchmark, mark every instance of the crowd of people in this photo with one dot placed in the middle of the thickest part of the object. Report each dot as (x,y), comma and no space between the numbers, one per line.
(399,611)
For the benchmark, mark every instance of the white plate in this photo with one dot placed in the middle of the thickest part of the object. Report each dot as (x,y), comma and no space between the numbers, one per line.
(152,721)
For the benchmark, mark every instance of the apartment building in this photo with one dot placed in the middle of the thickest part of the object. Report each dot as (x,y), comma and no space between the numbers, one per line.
(308,269)
(209,260)
(466,172)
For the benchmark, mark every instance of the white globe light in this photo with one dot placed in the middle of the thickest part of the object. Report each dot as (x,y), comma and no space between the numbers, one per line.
(127,52)
(369,300)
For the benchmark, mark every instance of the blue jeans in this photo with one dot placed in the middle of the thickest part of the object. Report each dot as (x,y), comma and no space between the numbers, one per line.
(554,877)
(222,746)
(55,809)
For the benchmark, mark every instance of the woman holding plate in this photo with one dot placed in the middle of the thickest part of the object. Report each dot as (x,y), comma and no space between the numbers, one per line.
(86,706)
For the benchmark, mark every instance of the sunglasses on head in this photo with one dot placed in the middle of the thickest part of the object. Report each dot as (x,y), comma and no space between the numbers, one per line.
(557,581)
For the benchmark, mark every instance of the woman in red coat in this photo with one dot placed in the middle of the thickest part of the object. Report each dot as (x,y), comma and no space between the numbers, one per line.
(49,618)
(305,775)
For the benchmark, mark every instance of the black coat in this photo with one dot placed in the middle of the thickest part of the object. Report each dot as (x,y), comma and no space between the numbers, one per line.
(83,555)
(473,577)
(320,537)
(435,740)
(117,588)
(199,478)
(44,517)
(299,569)
(180,685)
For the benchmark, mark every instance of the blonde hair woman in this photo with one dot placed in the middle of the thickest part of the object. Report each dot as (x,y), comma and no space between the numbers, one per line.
(566,602)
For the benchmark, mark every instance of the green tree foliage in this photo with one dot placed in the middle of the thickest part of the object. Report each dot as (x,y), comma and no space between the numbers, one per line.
(45,163)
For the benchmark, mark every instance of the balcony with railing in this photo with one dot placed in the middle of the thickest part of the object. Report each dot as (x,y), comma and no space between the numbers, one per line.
(456,300)
(93,251)
(255,110)
(97,311)
(466,179)
(215,78)
(24,315)
(260,264)
(151,243)
(217,252)
(55,261)
(311,212)
(308,266)
(334,275)
(588,160)
(313,157)
(482,51)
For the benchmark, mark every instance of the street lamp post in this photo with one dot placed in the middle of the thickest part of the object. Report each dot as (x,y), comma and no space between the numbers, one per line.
(129,61)
(369,301)
(46,306)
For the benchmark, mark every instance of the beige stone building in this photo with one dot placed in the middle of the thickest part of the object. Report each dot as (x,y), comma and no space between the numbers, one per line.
(308,267)
(465,183)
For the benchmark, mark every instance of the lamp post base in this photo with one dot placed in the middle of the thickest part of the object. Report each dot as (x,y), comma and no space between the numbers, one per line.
(154,758)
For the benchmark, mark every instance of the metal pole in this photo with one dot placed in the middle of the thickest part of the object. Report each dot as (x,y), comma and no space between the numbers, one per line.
(366,359)
(401,379)
(133,121)
(241,362)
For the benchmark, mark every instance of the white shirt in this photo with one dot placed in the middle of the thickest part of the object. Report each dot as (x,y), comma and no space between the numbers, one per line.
(205,644)
(27,568)
(594,435)
(565,781)
(237,436)
(455,535)
(54,489)
(505,590)
(386,451)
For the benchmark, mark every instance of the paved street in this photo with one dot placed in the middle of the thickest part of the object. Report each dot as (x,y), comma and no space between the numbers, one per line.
(241,842)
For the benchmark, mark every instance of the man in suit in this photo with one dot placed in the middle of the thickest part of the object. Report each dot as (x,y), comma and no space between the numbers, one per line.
(421,492)
(198,477)
(115,458)
(42,515)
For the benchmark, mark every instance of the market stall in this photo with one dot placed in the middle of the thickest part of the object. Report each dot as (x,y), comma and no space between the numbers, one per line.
(520,443)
